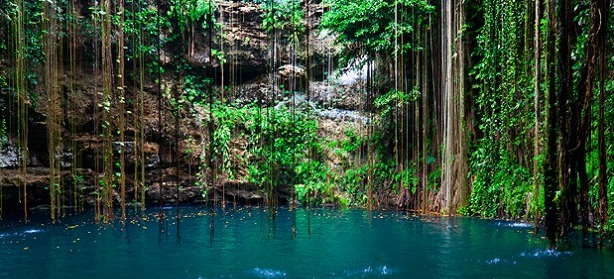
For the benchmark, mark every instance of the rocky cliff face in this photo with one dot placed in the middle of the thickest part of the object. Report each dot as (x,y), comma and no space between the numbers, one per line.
(173,147)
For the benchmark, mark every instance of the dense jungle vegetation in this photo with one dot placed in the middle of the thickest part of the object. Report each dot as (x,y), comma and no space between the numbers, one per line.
(498,109)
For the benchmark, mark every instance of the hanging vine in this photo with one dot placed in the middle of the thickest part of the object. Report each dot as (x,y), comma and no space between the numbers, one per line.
(54,102)
(72,108)
(22,95)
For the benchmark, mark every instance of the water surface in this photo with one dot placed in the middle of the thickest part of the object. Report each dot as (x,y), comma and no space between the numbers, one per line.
(299,243)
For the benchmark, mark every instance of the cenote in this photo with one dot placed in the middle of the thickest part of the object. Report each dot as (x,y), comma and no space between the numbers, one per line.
(253,242)
(480,110)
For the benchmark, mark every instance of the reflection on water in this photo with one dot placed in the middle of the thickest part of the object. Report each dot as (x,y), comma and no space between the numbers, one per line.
(253,242)
(211,227)
(178,217)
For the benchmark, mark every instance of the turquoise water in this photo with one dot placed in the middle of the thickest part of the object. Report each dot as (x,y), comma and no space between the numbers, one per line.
(300,243)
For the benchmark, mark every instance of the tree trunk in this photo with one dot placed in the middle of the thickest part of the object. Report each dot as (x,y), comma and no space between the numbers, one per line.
(454,164)
(108,102)
(446,91)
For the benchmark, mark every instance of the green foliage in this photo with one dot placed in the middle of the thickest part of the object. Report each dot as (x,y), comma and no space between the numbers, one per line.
(5,20)
(354,183)
(386,103)
(277,148)
(609,134)
(185,13)
(352,143)
(142,23)
(285,140)
(316,186)
(500,165)
(500,187)
(3,132)
(32,51)
(193,87)
(434,178)
(382,177)
(4,85)
(371,23)
(408,179)
(285,16)
(282,15)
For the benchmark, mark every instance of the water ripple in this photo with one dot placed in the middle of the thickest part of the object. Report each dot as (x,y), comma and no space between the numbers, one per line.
(515,225)
(496,261)
(381,270)
(267,273)
(30,231)
(540,253)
